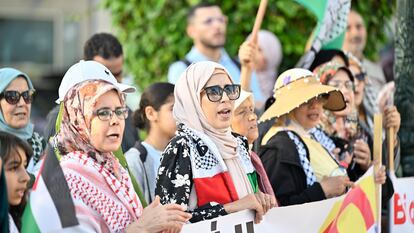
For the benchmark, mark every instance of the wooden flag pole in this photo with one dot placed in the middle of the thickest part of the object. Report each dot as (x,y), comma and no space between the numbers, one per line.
(246,72)
(391,141)
(378,158)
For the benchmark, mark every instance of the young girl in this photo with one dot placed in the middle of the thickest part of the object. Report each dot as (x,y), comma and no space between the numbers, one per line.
(15,152)
(155,116)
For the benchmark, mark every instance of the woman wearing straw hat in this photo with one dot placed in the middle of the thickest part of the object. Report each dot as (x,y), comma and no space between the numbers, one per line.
(204,167)
(300,169)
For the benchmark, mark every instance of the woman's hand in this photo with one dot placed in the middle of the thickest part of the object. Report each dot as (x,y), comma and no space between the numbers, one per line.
(267,201)
(248,202)
(334,186)
(362,154)
(247,54)
(392,118)
(380,174)
(160,218)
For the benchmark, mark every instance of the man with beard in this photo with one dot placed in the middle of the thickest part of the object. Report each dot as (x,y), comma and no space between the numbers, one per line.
(355,40)
(206,26)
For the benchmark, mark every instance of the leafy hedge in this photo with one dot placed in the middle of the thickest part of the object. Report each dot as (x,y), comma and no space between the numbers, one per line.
(153,31)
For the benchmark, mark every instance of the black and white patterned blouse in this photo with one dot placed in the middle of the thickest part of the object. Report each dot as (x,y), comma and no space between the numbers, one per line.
(175,177)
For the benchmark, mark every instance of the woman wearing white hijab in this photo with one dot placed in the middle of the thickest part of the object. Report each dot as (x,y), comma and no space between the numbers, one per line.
(267,59)
(205,167)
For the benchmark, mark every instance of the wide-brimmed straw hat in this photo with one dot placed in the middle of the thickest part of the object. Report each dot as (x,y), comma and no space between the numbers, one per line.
(297,86)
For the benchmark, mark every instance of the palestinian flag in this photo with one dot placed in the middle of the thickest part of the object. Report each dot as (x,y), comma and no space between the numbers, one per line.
(330,29)
(50,206)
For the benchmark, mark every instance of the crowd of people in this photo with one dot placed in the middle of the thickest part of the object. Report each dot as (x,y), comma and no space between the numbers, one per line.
(212,147)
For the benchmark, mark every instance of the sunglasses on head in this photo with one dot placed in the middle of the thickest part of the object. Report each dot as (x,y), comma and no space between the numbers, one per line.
(105,114)
(13,97)
(215,93)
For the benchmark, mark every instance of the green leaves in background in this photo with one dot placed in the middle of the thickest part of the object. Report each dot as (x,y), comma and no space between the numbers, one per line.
(153,31)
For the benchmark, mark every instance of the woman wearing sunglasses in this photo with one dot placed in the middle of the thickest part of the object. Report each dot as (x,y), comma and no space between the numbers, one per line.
(204,167)
(93,122)
(16,96)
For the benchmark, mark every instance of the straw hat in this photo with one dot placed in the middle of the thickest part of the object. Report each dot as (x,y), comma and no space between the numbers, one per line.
(297,86)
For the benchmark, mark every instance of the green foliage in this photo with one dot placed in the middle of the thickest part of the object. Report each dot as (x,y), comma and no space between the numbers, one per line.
(153,31)
(376,14)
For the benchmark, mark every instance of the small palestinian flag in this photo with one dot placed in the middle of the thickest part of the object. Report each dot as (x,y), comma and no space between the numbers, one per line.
(50,206)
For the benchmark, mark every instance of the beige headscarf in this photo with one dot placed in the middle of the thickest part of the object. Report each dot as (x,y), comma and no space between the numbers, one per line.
(187,110)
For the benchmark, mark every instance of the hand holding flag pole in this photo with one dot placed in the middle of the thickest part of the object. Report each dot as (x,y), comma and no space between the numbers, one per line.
(246,72)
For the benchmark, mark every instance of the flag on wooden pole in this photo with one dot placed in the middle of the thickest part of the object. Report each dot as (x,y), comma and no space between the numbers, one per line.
(330,29)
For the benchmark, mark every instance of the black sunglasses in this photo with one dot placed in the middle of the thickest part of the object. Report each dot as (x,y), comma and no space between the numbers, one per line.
(13,97)
(360,76)
(215,93)
(105,114)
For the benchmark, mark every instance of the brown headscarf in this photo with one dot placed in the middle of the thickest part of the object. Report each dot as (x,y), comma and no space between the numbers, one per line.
(187,110)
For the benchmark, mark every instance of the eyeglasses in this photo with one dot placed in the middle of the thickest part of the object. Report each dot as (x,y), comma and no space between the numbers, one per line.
(210,20)
(338,84)
(13,97)
(360,76)
(215,93)
(105,114)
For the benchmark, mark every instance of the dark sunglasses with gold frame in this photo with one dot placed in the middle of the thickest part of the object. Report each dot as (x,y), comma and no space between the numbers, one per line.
(13,97)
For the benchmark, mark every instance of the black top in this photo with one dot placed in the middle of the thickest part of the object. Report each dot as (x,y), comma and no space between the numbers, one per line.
(281,162)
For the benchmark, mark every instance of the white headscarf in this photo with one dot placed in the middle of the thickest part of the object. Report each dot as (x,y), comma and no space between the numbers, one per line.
(187,106)
(187,109)
(272,51)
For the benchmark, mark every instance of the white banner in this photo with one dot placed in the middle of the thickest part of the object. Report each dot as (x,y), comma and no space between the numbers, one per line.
(301,218)
(402,205)
(353,212)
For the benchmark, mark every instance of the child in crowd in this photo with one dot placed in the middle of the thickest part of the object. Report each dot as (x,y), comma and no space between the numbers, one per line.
(15,154)
(155,116)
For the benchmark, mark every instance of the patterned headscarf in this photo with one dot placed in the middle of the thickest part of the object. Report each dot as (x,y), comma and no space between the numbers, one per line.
(75,131)
(327,71)
(95,178)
